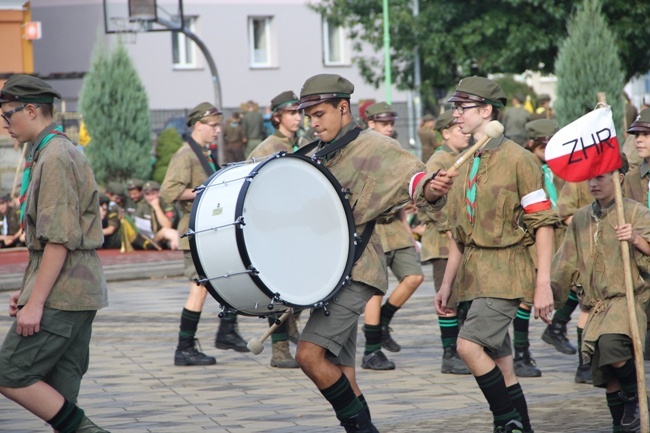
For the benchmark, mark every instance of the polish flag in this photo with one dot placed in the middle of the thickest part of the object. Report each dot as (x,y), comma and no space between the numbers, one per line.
(585,148)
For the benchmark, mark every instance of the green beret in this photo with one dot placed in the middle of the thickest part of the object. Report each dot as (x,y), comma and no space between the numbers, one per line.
(642,122)
(542,128)
(381,112)
(151,185)
(322,87)
(134,184)
(115,188)
(285,101)
(204,109)
(445,120)
(479,89)
(25,88)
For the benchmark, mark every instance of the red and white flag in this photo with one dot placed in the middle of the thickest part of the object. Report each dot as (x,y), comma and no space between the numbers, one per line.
(585,148)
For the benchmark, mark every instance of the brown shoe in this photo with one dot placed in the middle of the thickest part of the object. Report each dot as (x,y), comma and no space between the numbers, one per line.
(281,356)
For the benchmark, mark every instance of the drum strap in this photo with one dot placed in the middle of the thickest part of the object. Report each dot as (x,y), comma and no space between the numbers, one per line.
(365,238)
(196,148)
(330,148)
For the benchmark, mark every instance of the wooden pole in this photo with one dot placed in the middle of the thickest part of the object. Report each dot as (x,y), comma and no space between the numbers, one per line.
(631,305)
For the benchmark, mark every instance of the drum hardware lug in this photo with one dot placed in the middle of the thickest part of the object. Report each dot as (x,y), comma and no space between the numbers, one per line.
(199,189)
(189,232)
(346,192)
(225,311)
(357,239)
(276,300)
(323,305)
(240,221)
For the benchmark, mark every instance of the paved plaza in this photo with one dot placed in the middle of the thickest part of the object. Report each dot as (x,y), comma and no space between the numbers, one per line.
(133,386)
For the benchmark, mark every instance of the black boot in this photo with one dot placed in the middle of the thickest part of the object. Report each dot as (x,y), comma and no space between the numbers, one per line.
(387,341)
(524,364)
(555,334)
(451,362)
(584,374)
(359,423)
(631,419)
(187,353)
(228,337)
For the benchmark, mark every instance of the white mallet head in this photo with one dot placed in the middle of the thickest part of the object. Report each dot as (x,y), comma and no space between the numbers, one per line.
(255,346)
(494,129)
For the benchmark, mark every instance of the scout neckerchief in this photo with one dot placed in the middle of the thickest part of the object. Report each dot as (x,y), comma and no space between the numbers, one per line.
(470,195)
(27,173)
(209,164)
(549,185)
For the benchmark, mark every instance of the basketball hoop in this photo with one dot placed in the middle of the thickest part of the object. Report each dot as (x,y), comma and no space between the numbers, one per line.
(127,31)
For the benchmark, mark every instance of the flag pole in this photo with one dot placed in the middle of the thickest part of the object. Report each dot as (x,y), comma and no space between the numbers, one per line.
(631,304)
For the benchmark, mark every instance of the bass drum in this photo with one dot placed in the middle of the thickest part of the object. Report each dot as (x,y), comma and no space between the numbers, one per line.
(271,235)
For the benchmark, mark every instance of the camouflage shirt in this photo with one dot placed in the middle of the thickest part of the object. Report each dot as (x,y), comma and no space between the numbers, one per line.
(636,183)
(495,245)
(435,242)
(62,207)
(377,172)
(590,256)
(145,211)
(572,197)
(277,142)
(184,171)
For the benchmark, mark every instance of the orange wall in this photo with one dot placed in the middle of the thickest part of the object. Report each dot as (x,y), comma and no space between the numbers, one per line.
(16,54)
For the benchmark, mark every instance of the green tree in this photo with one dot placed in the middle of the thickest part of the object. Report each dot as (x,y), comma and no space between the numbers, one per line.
(115,108)
(168,143)
(461,38)
(588,63)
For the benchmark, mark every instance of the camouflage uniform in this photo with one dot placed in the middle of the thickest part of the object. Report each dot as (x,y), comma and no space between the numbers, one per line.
(572,197)
(112,219)
(277,143)
(636,183)
(428,141)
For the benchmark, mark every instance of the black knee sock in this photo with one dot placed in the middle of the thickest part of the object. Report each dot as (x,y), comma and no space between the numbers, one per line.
(579,331)
(281,333)
(616,408)
(67,419)
(563,315)
(342,398)
(520,324)
(189,323)
(494,389)
(519,402)
(388,310)
(626,376)
(364,403)
(373,338)
(448,331)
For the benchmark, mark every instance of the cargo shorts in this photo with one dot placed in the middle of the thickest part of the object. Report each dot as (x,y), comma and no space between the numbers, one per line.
(188,266)
(58,354)
(404,262)
(487,323)
(338,332)
(610,348)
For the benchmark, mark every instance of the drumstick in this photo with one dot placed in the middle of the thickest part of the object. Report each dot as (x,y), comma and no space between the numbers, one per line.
(256,345)
(492,130)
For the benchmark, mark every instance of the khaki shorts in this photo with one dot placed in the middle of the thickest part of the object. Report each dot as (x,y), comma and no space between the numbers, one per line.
(188,265)
(610,348)
(487,323)
(338,332)
(57,355)
(404,262)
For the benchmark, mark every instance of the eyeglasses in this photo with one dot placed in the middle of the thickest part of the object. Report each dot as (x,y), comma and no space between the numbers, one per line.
(7,114)
(212,125)
(461,109)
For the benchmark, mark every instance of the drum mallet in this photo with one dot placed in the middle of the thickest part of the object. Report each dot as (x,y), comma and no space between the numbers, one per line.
(492,130)
(256,345)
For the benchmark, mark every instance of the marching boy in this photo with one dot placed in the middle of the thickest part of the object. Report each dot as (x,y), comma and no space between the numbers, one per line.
(590,254)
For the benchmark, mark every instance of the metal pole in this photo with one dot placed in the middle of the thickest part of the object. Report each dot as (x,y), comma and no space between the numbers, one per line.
(388,82)
(417,81)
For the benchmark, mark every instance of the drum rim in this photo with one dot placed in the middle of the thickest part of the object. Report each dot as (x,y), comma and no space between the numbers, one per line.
(347,209)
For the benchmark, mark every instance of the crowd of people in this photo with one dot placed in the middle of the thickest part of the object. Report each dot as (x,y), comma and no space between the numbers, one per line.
(506,240)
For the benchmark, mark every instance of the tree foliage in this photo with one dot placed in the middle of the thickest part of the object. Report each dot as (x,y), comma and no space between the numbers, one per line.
(581,74)
(461,38)
(168,143)
(115,107)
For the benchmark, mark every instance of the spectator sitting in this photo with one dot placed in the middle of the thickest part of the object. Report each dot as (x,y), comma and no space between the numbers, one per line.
(10,230)
(154,218)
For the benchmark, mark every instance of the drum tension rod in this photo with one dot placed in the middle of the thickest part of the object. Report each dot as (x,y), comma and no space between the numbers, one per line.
(204,280)
(276,299)
(238,222)
(323,305)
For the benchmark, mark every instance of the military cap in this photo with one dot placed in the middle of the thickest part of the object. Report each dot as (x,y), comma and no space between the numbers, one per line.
(519,97)
(25,88)
(642,122)
(543,97)
(134,184)
(445,120)
(103,200)
(381,112)
(428,117)
(322,87)
(151,185)
(285,101)
(115,188)
(479,89)
(204,109)
(4,198)
(542,128)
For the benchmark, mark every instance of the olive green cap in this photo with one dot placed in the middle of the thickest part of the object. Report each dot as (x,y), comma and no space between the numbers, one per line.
(204,109)
(134,184)
(479,89)
(428,117)
(115,188)
(445,120)
(151,185)
(542,128)
(322,87)
(285,101)
(641,123)
(381,112)
(25,88)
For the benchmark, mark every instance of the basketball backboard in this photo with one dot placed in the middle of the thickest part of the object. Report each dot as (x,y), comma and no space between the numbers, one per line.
(135,16)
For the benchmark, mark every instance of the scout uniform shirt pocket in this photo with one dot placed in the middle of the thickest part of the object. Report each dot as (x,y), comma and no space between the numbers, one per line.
(506,202)
(364,186)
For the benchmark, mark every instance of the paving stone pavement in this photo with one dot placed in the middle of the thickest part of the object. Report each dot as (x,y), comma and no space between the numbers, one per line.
(133,386)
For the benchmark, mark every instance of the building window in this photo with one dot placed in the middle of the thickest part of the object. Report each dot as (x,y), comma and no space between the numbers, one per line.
(336,45)
(183,49)
(259,41)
